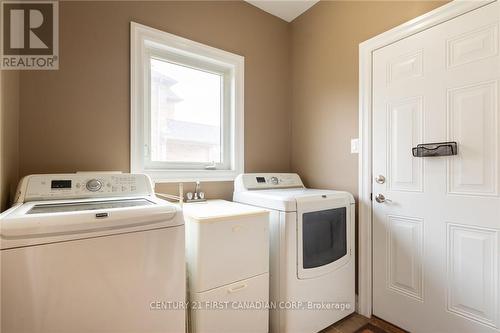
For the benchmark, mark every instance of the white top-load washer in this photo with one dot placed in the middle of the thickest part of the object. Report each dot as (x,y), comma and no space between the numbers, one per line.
(91,253)
(312,258)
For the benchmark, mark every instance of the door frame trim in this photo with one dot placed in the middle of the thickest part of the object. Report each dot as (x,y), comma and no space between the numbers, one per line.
(366,49)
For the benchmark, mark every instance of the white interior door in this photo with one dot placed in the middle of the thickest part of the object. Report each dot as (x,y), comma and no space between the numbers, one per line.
(436,245)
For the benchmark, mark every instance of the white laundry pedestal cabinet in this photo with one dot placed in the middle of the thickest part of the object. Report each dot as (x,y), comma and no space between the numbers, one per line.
(227,249)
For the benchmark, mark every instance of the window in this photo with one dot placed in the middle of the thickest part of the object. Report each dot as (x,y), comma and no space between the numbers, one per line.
(187,108)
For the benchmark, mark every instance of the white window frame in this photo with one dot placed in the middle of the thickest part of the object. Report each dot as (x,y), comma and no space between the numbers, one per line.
(146,42)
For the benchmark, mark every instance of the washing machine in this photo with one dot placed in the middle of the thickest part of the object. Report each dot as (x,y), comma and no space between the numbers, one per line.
(87,253)
(312,259)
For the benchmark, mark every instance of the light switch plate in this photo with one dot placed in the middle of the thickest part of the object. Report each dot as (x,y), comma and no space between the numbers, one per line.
(355,146)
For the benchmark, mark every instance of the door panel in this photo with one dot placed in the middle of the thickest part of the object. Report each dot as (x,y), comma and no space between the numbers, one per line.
(405,67)
(405,130)
(473,283)
(435,239)
(472,121)
(472,46)
(404,256)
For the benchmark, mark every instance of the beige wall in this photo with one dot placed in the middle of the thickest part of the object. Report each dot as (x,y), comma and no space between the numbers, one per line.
(9,135)
(301,85)
(77,118)
(324,69)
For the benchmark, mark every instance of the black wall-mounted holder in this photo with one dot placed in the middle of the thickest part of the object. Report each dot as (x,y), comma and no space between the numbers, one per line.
(435,149)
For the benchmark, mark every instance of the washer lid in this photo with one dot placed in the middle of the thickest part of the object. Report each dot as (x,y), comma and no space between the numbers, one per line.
(285,199)
(50,221)
(45,208)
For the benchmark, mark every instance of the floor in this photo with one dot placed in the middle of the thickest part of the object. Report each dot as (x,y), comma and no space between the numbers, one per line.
(355,321)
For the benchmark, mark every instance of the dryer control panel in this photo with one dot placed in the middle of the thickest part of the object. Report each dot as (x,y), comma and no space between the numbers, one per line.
(82,185)
(261,181)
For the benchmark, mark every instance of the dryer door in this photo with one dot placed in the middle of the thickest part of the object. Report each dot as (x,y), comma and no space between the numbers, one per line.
(324,235)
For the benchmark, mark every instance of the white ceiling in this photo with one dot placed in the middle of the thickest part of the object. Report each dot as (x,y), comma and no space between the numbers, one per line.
(287,10)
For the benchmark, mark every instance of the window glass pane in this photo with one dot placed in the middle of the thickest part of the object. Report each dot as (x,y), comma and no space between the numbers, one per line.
(186,114)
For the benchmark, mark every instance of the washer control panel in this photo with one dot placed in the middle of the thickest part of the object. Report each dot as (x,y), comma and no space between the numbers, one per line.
(83,185)
(260,181)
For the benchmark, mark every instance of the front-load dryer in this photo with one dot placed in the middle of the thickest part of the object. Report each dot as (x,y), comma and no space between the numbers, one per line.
(312,258)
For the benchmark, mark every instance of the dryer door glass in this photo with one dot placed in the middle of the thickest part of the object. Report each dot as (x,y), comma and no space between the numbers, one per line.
(324,237)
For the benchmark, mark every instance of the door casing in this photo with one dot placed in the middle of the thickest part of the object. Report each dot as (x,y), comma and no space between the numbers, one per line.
(366,49)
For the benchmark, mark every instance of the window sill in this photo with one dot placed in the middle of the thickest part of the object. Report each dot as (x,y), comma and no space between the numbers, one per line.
(177,176)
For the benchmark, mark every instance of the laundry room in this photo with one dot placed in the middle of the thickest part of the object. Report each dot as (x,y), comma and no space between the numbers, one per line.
(250,166)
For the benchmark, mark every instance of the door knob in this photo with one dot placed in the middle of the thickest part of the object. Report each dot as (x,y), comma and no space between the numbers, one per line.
(380,198)
(380,179)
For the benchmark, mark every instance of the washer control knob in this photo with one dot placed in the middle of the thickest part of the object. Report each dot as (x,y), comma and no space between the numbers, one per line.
(94,185)
(274,180)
